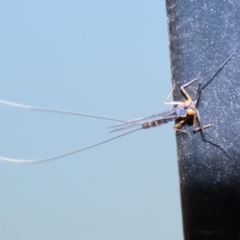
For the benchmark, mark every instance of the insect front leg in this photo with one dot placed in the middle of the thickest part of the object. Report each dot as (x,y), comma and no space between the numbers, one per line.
(171,102)
(179,124)
(187,84)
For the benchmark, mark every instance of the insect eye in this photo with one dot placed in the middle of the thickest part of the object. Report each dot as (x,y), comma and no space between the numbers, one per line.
(181,111)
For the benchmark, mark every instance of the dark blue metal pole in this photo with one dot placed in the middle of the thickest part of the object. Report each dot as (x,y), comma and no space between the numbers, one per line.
(202,35)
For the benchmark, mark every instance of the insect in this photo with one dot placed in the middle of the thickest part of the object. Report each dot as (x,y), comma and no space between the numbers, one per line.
(181,110)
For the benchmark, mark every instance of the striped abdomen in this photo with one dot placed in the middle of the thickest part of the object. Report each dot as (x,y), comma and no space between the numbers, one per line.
(159,122)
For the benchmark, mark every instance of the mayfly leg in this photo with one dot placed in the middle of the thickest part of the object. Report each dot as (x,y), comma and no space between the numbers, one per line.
(205,82)
(218,69)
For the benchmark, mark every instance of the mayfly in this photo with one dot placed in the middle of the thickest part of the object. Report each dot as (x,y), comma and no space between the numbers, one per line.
(181,110)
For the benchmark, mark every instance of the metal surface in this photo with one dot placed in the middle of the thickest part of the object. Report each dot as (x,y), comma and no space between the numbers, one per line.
(202,36)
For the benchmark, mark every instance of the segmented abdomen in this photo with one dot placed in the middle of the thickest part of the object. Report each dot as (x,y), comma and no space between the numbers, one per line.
(159,122)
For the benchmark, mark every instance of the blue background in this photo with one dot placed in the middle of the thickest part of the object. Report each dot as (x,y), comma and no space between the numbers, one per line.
(109,58)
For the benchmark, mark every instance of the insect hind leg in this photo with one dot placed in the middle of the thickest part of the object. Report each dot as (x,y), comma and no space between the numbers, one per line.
(203,127)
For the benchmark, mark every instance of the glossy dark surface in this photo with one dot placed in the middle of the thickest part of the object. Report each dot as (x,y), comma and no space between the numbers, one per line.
(203,34)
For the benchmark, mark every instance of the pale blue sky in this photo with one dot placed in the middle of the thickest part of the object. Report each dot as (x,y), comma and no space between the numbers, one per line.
(100,57)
